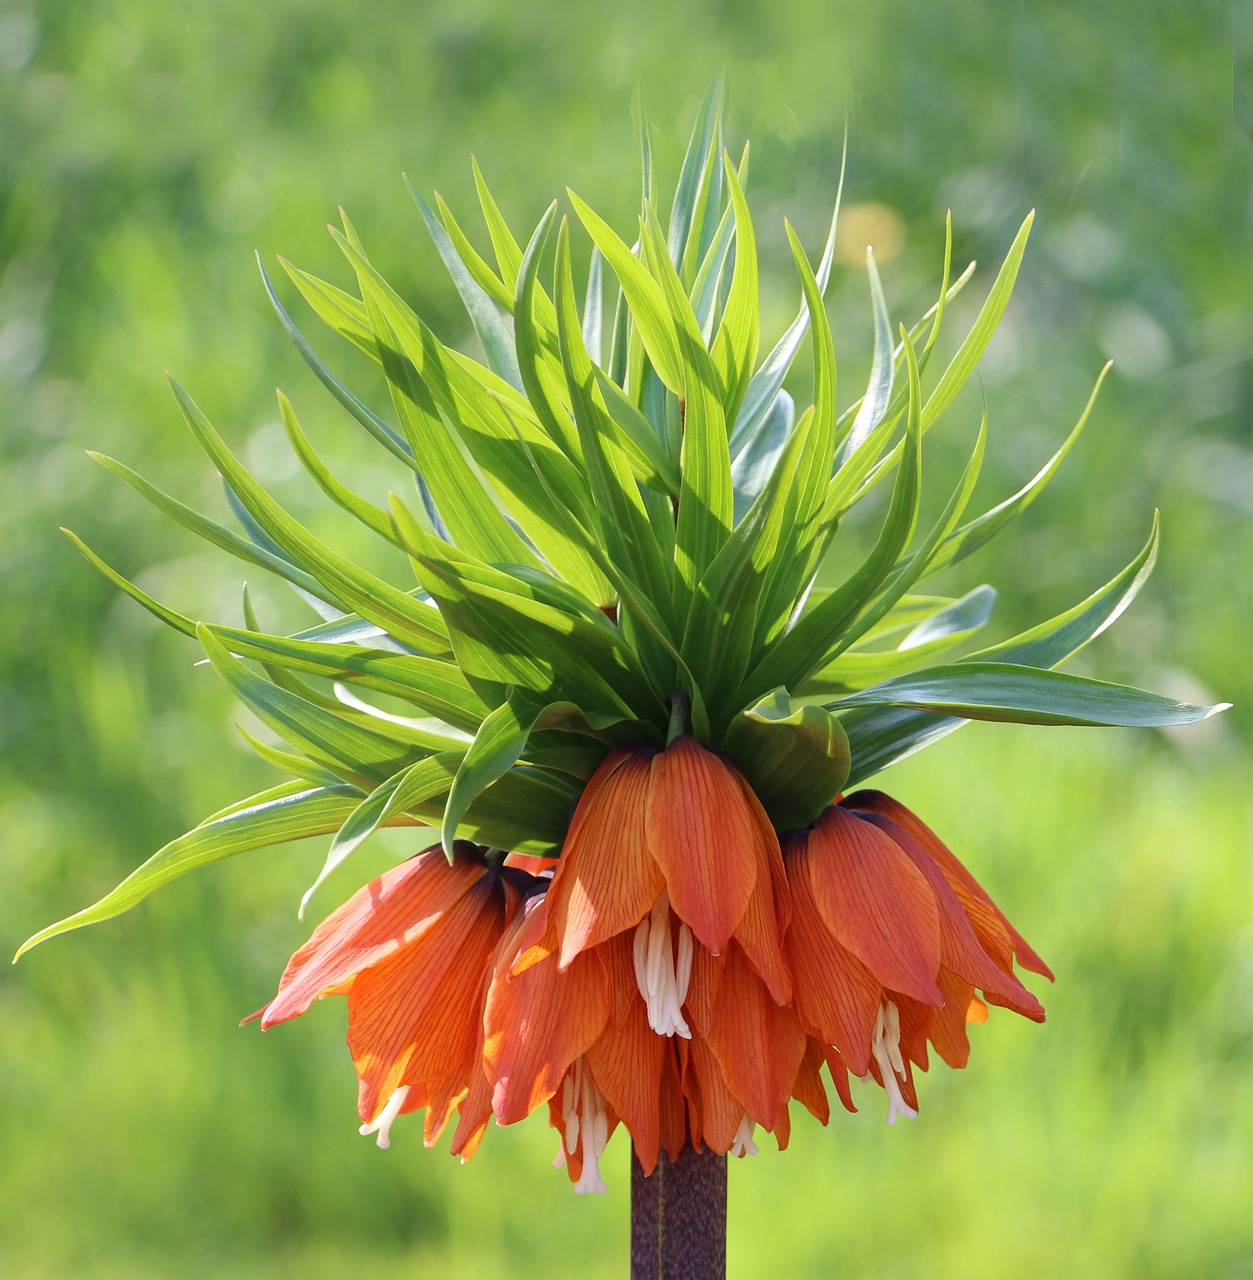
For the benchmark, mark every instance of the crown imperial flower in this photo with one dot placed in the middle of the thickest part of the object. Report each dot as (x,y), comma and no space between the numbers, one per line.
(633,708)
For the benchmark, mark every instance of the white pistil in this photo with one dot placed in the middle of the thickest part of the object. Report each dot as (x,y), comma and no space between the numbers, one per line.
(662,977)
(382,1123)
(885,1044)
(742,1144)
(583,1111)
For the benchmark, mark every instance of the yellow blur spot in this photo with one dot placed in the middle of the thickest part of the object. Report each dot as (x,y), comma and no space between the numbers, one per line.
(876,225)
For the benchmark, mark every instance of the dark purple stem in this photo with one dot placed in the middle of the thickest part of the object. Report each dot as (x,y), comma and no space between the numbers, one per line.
(679,1218)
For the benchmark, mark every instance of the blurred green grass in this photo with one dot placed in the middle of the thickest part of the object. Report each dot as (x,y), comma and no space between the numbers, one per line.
(149,149)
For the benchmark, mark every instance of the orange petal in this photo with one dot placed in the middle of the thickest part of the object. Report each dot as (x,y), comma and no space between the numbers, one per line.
(839,1076)
(391,912)
(783,1128)
(538,1022)
(882,803)
(626,1063)
(808,1089)
(703,835)
(758,1044)
(441,1102)
(702,991)
(960,949)
(761,928)
(948,1027)
(475,1112)
(720,1112)
(414,1017)
(674,1129)
(837,997)
(876,903)
(606,880)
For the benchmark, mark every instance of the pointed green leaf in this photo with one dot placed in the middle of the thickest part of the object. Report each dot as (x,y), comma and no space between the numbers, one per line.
(1026,695)
(265,820)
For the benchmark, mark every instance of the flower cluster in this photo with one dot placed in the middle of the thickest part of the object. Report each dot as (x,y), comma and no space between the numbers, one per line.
(683,973)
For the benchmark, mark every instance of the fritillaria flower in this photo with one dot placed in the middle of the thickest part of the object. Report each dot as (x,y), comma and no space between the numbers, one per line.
(628,694)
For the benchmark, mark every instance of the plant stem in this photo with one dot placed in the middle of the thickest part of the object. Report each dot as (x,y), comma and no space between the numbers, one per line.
(679,1217)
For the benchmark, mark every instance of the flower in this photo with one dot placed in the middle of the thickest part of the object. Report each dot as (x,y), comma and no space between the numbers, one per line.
(409,950)
(683,973)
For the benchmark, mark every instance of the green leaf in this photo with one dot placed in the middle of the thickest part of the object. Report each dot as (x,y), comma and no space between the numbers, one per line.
(706,499)
(975,343)
(216,534)
(371,421)
(484,276)
(619,511)
(882,735)
(497,747)
(1026,695)
(796,757)
(765,383)
(424,781)
(970,537)
(644,296)
(702,143)
(806,529)
(753,468)
(485,314)
(874,404)
(418,376)
(171,618)
(353,752)
(734,349)
(942,631)
(437,688)
(374,518)
(397,613)
(650,461)
(452,398)
(263,820)
(526,629)
(508,251)
(801,651)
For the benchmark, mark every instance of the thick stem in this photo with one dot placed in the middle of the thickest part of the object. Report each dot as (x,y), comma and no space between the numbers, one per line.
(679,1218)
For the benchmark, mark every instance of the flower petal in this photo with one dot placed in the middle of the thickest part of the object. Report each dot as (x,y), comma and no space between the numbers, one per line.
(703,835)
(606,879)
(537,1022)
(758,1044)
(626,1063)
(765,919)
(837,997)
(881,803)
(718,1109)
(876,903)
(960,949)
(413,1017)
(391,912)
(808,1089)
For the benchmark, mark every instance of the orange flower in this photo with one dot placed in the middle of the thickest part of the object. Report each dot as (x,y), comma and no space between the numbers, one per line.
(681,974)
(891,936)
(410,951)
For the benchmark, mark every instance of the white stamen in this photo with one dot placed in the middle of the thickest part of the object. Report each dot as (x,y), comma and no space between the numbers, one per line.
(885,1044)
(742,1144)
(382,1123)
(583,1113)
(662,979)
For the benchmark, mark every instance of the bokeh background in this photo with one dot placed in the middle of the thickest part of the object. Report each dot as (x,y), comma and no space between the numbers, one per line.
(147,148)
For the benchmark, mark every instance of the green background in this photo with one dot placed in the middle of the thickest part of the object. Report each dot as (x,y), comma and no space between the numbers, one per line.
(146,149)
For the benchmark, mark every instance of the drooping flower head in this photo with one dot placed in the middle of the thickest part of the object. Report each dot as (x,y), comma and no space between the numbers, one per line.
(627,692)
